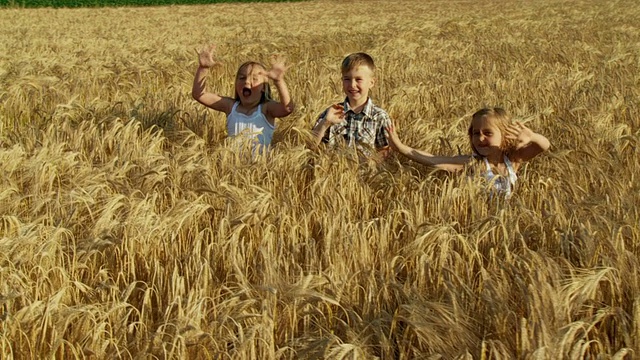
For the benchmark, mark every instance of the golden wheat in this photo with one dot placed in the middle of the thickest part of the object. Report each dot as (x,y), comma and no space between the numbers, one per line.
(129,228)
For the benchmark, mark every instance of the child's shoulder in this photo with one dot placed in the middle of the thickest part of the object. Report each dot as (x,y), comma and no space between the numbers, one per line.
(377,111)
(372,104)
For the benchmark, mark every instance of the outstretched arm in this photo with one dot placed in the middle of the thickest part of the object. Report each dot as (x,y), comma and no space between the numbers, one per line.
(333,115)
(214,101)
(528,143)
(276,74)
(448,163)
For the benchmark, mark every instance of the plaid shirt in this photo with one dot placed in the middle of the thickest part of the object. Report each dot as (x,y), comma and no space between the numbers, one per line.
(364,129)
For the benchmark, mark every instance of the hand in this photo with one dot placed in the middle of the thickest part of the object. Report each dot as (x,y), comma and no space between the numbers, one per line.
(519,134)
(392,137)
(335,114)
(276,73)
(205,56)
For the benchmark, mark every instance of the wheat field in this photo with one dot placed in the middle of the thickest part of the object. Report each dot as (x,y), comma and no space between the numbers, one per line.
(130,229)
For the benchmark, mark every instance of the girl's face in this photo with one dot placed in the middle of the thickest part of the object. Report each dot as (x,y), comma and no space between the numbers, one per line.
(486,137)
(250,83)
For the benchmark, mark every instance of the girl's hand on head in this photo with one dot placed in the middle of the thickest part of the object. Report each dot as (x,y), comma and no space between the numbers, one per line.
(205,56)
(335,114)
(278,68)
(519,133)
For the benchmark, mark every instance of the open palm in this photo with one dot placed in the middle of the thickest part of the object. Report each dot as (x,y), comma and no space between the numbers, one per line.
(520,134)
(205,56)
(278,69)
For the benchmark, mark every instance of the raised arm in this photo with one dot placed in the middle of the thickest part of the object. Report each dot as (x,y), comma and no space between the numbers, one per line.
(198,91)
(333,115)
(529,144)
(276,74)
(448,163)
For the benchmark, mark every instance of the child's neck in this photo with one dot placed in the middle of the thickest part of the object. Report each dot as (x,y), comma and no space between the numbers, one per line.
(358,106)
(247,108)
(495,159)
(497,163)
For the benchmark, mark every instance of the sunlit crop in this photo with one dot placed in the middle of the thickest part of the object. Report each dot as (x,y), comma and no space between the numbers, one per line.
(129,229)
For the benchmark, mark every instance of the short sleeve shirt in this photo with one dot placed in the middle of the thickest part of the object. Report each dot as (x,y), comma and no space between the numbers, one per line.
(364,129)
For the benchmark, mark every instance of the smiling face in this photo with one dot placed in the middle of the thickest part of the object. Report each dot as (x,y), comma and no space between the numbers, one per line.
(250,84)
(487,132)
(486,137)
(357,77)
(356,83)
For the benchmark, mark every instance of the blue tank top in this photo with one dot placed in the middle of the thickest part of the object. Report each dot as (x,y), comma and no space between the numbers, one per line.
(503,185)
(254,126)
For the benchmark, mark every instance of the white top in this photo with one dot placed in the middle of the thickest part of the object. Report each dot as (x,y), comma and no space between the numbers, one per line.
(254,126)
(502,184)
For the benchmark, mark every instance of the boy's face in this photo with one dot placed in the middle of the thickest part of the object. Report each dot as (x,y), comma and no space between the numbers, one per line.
(356,84)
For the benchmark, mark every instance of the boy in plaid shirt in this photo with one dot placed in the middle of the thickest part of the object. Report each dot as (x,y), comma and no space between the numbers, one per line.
(357,121)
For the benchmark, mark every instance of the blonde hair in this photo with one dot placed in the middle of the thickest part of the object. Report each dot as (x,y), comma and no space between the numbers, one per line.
(266,94)
(354,60)
(501,119)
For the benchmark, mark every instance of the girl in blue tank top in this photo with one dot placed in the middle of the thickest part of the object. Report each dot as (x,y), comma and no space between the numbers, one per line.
(499,145)
(251,113)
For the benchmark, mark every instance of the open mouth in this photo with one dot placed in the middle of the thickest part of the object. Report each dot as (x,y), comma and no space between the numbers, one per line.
(246,92)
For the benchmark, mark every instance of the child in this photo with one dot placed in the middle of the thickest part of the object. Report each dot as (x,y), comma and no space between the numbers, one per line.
(500,146)
(357,120)
(252,112)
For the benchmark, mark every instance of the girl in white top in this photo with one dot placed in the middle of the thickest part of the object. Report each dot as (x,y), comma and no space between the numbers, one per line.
(498,143)
(251,113)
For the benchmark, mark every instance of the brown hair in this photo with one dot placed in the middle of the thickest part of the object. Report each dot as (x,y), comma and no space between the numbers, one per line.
(354,60)
(266,94)
(500,118)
